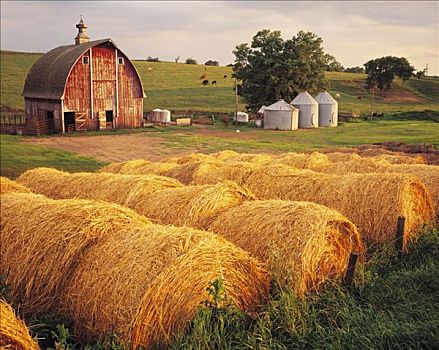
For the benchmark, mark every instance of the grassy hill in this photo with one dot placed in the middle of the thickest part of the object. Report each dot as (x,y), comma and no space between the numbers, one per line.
(177,87)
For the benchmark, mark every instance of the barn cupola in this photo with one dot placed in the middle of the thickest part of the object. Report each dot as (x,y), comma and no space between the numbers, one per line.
(82,36)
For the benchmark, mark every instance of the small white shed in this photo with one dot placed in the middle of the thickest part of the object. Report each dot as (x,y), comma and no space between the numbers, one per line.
(328,109)
(308,110)
(281,116)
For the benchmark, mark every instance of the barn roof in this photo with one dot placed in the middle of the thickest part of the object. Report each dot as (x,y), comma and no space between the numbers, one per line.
(48,76)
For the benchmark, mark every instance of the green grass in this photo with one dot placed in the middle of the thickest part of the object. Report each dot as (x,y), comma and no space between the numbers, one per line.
(254,140)
(17,157)
(177,87)
(392,306)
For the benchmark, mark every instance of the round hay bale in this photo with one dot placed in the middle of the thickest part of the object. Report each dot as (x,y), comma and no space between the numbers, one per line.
(224,155)
(40,180)
(392,157)
(233,171)
(14,334)
(116,188)
(190,158)
(7,185)
(146,284)
(303,243)
(428,174)
(302,160)
(42,241)
(188,173)
(251,158)
(193,206)
(372,202)
(124,167)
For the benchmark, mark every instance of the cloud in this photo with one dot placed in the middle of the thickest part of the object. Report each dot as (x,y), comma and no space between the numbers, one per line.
(352,31)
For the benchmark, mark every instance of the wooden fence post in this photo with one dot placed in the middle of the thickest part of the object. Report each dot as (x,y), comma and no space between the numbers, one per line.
(400,228)
(350,272)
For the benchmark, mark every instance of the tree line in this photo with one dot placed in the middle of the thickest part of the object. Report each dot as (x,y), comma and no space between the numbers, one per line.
(271,68)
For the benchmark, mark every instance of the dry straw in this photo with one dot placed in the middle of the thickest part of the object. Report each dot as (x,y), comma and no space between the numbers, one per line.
(42,242)
(428,174)
(372,202)
(192,206)
(147,283)
(14,334)
(114,188)
(190,158)
(304,243)
(189,172)
(121,168)
(7,185)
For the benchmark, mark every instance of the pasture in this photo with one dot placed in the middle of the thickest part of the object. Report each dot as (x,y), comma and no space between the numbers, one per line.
(178,87)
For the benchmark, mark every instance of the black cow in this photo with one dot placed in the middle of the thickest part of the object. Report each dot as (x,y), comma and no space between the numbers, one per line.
(205,82)
(214,82)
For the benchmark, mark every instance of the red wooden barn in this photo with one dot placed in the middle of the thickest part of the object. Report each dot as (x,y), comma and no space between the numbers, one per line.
(91,85)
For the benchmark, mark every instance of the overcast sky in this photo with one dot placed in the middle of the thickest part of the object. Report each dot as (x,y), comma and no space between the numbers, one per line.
(353,32)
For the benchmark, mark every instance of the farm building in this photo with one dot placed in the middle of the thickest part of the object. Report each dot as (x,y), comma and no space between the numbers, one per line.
(281,116)
(308,110)
(91,85)
(328,109)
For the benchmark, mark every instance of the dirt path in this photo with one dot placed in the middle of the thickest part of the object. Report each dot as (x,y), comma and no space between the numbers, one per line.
(112,148)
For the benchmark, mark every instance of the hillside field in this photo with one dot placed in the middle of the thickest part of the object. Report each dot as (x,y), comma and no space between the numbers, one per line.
(178,87)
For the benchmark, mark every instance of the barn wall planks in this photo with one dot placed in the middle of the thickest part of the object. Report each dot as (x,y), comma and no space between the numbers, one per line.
(91,90)
(130,95)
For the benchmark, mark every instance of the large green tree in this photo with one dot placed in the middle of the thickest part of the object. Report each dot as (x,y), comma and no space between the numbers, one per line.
(382,71)
(273,68)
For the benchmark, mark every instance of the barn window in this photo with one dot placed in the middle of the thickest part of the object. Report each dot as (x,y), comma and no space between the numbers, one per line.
(85,60)
(120,60)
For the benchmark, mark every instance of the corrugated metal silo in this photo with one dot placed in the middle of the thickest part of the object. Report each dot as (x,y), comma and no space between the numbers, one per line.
(308,110)
(328,109)
(281,116)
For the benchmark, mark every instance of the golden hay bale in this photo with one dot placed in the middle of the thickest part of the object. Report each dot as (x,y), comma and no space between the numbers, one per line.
(193,206)
(252,158)
(42,241)
(233,171)
(304,243)
(372,202)
(189,172)
(40,180)
(428,174)
(393,157)
(302,160)
(147,283)
(124,167)
(190,158)
(115,188)
(7,185)
(139,167)
(224,155)
(14,334)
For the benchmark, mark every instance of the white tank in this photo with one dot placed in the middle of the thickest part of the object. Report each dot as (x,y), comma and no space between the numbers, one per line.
(281,116)
(308,110)
(156,115)
(165,116)
(328,109)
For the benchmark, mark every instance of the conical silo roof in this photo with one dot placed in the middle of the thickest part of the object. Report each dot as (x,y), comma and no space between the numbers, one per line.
(324,98)
(304,98)
(280,105)
(262,109)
